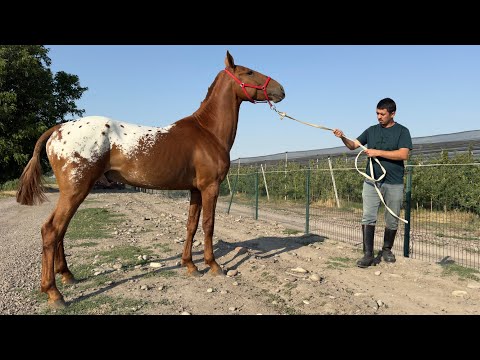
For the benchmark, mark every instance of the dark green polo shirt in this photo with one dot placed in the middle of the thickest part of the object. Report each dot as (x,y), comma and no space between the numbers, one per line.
(392,138)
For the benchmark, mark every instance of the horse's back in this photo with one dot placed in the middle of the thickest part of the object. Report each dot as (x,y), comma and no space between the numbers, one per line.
(89,138)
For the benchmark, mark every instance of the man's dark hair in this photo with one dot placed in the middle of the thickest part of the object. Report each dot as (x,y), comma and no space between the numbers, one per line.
(387,104)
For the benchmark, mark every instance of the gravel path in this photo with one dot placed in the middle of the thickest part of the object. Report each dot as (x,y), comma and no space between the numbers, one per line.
(272,270)
(20,264)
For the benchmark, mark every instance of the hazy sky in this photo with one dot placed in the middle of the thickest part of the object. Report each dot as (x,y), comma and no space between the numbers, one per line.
(436,87)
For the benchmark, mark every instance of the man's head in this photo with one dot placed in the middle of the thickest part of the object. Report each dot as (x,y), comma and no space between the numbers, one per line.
(386,109)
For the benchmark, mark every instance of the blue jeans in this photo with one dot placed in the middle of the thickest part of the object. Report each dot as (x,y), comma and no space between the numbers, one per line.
(393,197)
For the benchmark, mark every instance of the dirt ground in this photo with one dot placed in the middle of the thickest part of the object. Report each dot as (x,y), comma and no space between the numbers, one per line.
(269,268)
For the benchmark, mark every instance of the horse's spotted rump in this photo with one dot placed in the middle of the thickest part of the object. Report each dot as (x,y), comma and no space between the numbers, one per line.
(75,143)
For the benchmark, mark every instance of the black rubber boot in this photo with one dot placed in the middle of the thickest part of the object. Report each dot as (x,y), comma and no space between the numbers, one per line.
(388,240)
(368,237)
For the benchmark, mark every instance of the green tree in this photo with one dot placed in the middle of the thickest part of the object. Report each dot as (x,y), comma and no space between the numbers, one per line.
(32,99)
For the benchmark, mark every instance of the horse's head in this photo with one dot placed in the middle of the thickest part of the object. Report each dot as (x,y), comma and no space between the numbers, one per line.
(254,86)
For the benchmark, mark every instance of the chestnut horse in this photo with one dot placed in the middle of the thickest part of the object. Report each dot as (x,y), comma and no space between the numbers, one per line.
(191,154)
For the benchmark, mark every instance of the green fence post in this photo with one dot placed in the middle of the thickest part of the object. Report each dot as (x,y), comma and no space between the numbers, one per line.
(307,204)
(233,192)
(256,194)
(408,202)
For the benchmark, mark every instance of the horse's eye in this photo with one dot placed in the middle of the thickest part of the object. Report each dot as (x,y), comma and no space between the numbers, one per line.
(250,72)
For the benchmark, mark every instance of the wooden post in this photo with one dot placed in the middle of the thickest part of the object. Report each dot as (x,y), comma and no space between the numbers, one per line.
(229,187)
(333,181)
(265,182)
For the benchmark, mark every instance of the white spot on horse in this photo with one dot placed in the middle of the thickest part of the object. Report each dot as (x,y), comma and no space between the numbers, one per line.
(87,144)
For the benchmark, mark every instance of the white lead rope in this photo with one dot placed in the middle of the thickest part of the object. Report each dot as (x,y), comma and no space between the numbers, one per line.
(283,115)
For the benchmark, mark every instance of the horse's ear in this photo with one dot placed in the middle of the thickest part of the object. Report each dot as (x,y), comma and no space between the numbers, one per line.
(229,62)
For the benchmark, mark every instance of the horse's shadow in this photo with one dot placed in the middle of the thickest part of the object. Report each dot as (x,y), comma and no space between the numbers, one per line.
(261,248)
(230,255)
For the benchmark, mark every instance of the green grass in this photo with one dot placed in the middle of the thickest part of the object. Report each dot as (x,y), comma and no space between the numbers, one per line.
(291,231)
(460,271)
(92,223)
(266,277)
(339,262)
(85,244)
(162,247)
(9,185)
(127,253)
(166,273)
(280,306)
(100,304)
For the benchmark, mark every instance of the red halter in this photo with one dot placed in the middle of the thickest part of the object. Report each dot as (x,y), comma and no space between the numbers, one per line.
(243,86)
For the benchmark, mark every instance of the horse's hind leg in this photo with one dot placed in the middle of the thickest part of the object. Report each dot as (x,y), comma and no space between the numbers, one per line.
(53,257)
(209,201)
(61,263)
(192,225)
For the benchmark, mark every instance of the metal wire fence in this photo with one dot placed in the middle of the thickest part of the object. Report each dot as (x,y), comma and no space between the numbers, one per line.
(327,201)
(442,206)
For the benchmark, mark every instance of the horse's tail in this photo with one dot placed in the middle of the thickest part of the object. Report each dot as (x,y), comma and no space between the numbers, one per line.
(30,189)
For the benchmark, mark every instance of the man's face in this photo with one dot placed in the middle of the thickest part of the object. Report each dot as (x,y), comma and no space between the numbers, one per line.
(384,117)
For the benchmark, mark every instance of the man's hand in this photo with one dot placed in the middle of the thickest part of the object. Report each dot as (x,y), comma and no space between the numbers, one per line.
(338,133)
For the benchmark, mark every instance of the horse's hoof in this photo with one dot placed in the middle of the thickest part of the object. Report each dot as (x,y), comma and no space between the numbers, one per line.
(69,281)
(217,272)
(194,273)
(57,304)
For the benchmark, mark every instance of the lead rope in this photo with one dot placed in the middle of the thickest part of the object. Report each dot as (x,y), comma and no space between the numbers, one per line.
(284,115)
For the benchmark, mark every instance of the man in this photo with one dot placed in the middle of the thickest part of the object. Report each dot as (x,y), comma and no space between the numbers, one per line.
(389,142)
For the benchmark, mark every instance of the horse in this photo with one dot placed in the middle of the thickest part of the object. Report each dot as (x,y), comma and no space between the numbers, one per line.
(192,154)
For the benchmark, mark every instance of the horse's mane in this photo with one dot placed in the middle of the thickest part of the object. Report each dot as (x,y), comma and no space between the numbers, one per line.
(210,88)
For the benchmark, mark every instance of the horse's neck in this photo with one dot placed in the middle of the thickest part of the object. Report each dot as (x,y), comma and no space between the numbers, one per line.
(219,112)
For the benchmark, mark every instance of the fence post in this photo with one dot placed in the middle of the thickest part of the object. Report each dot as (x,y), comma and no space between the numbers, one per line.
(307,204)
(333,181)
(408,202)
(265,181)
(256,194)
(233,193)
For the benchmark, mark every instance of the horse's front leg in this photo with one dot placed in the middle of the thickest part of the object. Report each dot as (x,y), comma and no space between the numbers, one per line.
(192,225)
(209,201)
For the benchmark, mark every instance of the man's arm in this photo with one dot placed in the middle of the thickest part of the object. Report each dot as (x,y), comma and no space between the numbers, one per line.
(351,144)
(400,154)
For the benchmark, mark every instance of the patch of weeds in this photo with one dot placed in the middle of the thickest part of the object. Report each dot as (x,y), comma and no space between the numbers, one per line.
(288,310)
(269,277)
(291,231)
(280,304)
(11,185)
(339,262)
(92,223)
(38,296)
(100,280)
(167,273)
(158,272)
(93,201)
(100,304)
(84,244)
(166,302)
(162,247)
(289,287)
(82,271)
(461,271)
(127,253)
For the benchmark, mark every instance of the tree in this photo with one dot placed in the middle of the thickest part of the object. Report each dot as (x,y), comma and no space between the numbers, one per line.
(32,99)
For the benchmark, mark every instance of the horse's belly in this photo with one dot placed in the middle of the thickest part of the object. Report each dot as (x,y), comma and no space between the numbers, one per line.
(143,178)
